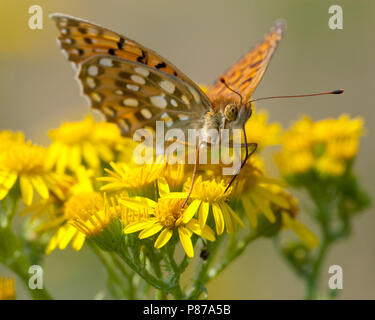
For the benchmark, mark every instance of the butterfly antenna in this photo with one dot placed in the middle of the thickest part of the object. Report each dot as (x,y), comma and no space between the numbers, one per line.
(338,91)
(222,80)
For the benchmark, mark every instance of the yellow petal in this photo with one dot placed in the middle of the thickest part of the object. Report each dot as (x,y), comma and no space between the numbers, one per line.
(7,183)
(163,238)
(65,238)
(191,211)
(52,244)
(62,159)
(219,219)
(40,186)
(287,220)
(233,215)
(205,232)
(90,155)
(137,226)
(105,152)
(185,238)
(176,195)
(275,198)
(150,231)
(26,190)
(264,207)
(163,187)
(78,241)
(138,203)
(251,212)
(52,155)
(227,219)
(203,213)
(309,239)
(10,180)
(75,157)
(115,186)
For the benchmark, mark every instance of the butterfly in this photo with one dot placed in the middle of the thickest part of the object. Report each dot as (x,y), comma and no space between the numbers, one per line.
(133,86)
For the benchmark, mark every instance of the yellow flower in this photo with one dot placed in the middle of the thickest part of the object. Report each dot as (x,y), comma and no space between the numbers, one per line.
(89,213)
(258,130)
(7,289)
(254,189)
(289,219)
(64,235)
(330,166)
(85,141)
(167,215)
(298,162)
(325,146)
(174,174)
(8,138)
(126,176)
(79,193)
(26,163)
(210,194)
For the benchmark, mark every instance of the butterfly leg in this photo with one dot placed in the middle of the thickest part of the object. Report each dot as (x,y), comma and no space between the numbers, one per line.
(194,175)
(247,156)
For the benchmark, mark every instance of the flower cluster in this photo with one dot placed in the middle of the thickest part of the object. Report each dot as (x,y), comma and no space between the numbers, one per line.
(326,146)
(90,190)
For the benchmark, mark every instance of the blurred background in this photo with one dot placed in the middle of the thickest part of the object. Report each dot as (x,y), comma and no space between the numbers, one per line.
(203,38)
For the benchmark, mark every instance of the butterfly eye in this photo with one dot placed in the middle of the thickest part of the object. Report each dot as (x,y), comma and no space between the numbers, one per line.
(231,112)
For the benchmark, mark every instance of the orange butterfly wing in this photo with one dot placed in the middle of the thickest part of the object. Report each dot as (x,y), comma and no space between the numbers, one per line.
(245,75)
(81,40)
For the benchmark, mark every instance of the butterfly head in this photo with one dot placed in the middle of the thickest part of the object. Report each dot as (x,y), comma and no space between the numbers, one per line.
(236,114)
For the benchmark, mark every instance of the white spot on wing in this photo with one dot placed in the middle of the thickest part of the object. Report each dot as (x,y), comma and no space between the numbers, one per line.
(93,71)
(183,117)
(130,102)
(174,103)
(132,87)
(159,101)
(142,71)
(195,94)
(91,82)
(106,62)
(167,86)
(146,113)
(122,123)
(167,119)
(108,112)
(137,79)
(96,97)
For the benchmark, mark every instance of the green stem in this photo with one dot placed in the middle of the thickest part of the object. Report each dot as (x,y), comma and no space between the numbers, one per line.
(200,279)
(313,278)
(112,274)
(176,273)
(150,279)
(128,275)
(11,251)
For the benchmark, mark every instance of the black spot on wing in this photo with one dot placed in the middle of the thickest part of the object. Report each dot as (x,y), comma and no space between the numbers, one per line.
(160,65)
